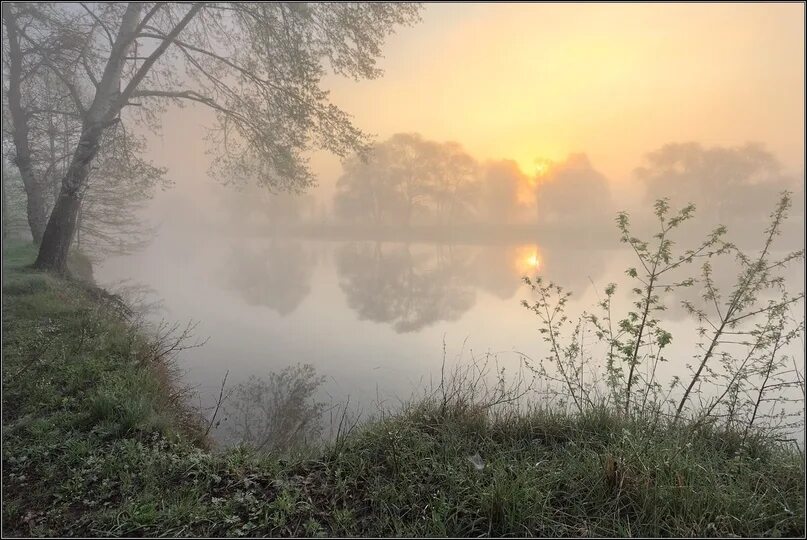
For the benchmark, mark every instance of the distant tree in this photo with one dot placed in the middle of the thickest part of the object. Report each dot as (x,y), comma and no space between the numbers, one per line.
(412,166)
(258,65)
(500,185)
(253,207)
(15,222)
(407,180)
(364,192)
(456,183)
(390,185)
(573,191)
(728,184)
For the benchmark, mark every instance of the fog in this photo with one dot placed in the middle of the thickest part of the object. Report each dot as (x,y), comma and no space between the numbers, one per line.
(422,249)
(505,141)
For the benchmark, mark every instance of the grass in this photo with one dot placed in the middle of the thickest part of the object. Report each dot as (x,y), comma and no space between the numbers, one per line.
(95,443)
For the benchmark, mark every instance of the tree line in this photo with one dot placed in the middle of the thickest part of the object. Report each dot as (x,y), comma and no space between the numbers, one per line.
(408,180)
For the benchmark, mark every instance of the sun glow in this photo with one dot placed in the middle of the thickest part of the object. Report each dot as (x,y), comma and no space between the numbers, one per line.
(541,167)
(533,174)
(528,259)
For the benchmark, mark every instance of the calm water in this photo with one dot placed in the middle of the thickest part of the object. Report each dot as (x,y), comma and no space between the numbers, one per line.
(373,318)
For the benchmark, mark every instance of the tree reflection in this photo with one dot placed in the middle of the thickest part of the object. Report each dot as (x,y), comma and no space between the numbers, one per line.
(412,287)
(278,412)
(277,276)
(405,287)
(575,268)
(498,269)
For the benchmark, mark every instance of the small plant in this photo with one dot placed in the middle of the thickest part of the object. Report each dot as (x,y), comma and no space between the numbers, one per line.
(641,327)
(744,318)
(569,360)
(740,339)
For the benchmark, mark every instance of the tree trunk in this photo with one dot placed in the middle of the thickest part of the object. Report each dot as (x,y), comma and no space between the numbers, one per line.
(62,223)
(5,204)
(58,234)
(33,189)
(105,107)
(35,204)
(78,227)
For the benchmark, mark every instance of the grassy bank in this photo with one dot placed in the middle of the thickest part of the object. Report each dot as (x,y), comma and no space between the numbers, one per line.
(95,443)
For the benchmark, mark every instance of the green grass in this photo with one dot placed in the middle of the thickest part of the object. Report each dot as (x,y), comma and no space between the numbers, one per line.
(94,445)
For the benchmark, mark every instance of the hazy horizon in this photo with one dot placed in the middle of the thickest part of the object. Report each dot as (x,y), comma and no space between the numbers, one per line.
(541,81)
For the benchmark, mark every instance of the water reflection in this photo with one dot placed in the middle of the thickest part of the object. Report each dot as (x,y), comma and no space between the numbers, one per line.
(413,286)
(276,275)
(724,277)
(424,242)
(498,269)
(408,287)
(576,268)
(277,412)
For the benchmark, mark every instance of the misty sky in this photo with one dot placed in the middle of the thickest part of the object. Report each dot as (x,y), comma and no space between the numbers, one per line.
(525,81)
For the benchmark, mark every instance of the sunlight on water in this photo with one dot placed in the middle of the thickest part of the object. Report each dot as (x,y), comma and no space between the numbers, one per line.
(528,261)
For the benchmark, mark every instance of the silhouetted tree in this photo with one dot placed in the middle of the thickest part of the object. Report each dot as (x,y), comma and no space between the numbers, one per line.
(408,179)
(365,192)
(254,208)
(729,185)
(455,187)
(572,191)
(500,185)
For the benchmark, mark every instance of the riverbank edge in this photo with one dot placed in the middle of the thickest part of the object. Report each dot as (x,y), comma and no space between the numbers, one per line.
(96,442)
